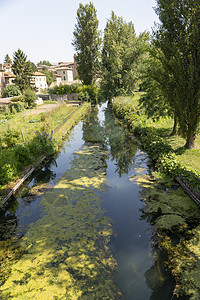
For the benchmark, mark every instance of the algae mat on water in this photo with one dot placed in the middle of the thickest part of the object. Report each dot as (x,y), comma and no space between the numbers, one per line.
(176,220)
(66,250)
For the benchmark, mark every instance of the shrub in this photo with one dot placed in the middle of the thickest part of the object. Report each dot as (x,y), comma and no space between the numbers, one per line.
(11,137)
(7,172)
(84,96)
(30,97)
(15,107)
(22,154)
(11,91)
(42,143)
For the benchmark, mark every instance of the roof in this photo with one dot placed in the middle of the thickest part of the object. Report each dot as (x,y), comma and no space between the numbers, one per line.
(63,68)
(65,64)
(57,75)
(38,74)
(9,75)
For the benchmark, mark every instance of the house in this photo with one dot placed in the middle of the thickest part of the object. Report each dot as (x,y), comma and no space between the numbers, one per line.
(65,72)
(39,80)
(1,79)
(57,78)
(8,78)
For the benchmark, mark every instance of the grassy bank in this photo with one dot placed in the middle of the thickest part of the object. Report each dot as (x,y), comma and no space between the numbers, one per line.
(16,155)
(173,214)
(167,151)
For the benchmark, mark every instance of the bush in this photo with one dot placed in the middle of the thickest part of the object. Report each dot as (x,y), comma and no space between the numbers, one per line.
(11,137)
(11,91)
(84,96)
(22,155)
(92,90)
(15,107)
(42,143)
(30,97)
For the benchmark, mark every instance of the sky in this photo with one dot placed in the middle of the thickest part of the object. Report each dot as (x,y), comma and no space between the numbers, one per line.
(43,29)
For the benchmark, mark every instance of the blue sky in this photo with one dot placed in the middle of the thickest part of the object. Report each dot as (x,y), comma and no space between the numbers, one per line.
(43,29)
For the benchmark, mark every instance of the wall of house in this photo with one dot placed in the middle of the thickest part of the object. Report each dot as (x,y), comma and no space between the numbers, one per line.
(69,75)
(40,82)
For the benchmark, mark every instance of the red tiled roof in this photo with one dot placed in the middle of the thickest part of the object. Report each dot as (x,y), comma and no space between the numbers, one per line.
(38,74)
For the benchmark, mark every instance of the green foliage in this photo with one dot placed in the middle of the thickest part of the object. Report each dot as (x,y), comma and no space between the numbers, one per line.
(7,59)
(84,96)
(42,143)
(65,89)
(23,70)
(49,75)
(44,62)
(165,158)
(7,172)
(91,90)
(122,57)
(30,97)
(23,155)
(87,43)
(16,107)
(157,97)
(11,91)
(11,137)
(176,40)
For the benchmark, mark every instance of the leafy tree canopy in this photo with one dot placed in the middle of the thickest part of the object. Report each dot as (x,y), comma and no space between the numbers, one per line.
(11,91)
(176,39)
(23,70)
(49,75)
(87,43)
(121,56)
(44,62)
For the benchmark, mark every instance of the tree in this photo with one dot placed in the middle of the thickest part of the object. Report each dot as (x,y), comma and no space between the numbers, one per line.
(30,97)
(7,59)
(49,75)
(87,43)
(177,41)
(158,98)
(11,90)
(23,70)
(121,56)
(44,62)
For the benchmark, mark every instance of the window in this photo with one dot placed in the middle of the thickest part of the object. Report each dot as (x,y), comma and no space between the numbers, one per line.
(64,77)
(63,72)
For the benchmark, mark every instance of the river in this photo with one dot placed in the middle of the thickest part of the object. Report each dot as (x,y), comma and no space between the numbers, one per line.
(77,229)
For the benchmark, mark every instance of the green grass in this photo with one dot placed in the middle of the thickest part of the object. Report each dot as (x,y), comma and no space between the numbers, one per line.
(29,123)
(163,127)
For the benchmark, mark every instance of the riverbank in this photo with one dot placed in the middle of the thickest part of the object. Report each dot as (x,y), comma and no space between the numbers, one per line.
(174,216)
(43,136)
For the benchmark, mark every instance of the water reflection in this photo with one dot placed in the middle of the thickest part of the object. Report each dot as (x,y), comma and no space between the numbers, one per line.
(102,128)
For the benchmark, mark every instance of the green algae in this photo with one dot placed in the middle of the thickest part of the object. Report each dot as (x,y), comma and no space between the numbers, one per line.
(66,250)
(172,212)
(167,206)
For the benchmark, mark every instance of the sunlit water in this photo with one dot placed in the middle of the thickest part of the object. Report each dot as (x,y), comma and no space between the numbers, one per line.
(130,242)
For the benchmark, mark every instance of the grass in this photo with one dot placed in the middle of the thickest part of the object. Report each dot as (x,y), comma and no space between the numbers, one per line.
(164,126)
(30,121)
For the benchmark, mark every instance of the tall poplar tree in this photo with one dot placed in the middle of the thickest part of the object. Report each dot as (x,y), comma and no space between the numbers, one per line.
(87,43)
(178,50)
(22,69)
(121,54)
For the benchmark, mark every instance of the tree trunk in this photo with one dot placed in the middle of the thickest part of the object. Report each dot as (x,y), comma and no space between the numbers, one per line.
(190,141)
(174,131)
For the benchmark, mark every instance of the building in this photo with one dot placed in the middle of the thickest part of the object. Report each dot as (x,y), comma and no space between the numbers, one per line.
(1,79)
(8,78)
(40,81)
(65,72)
